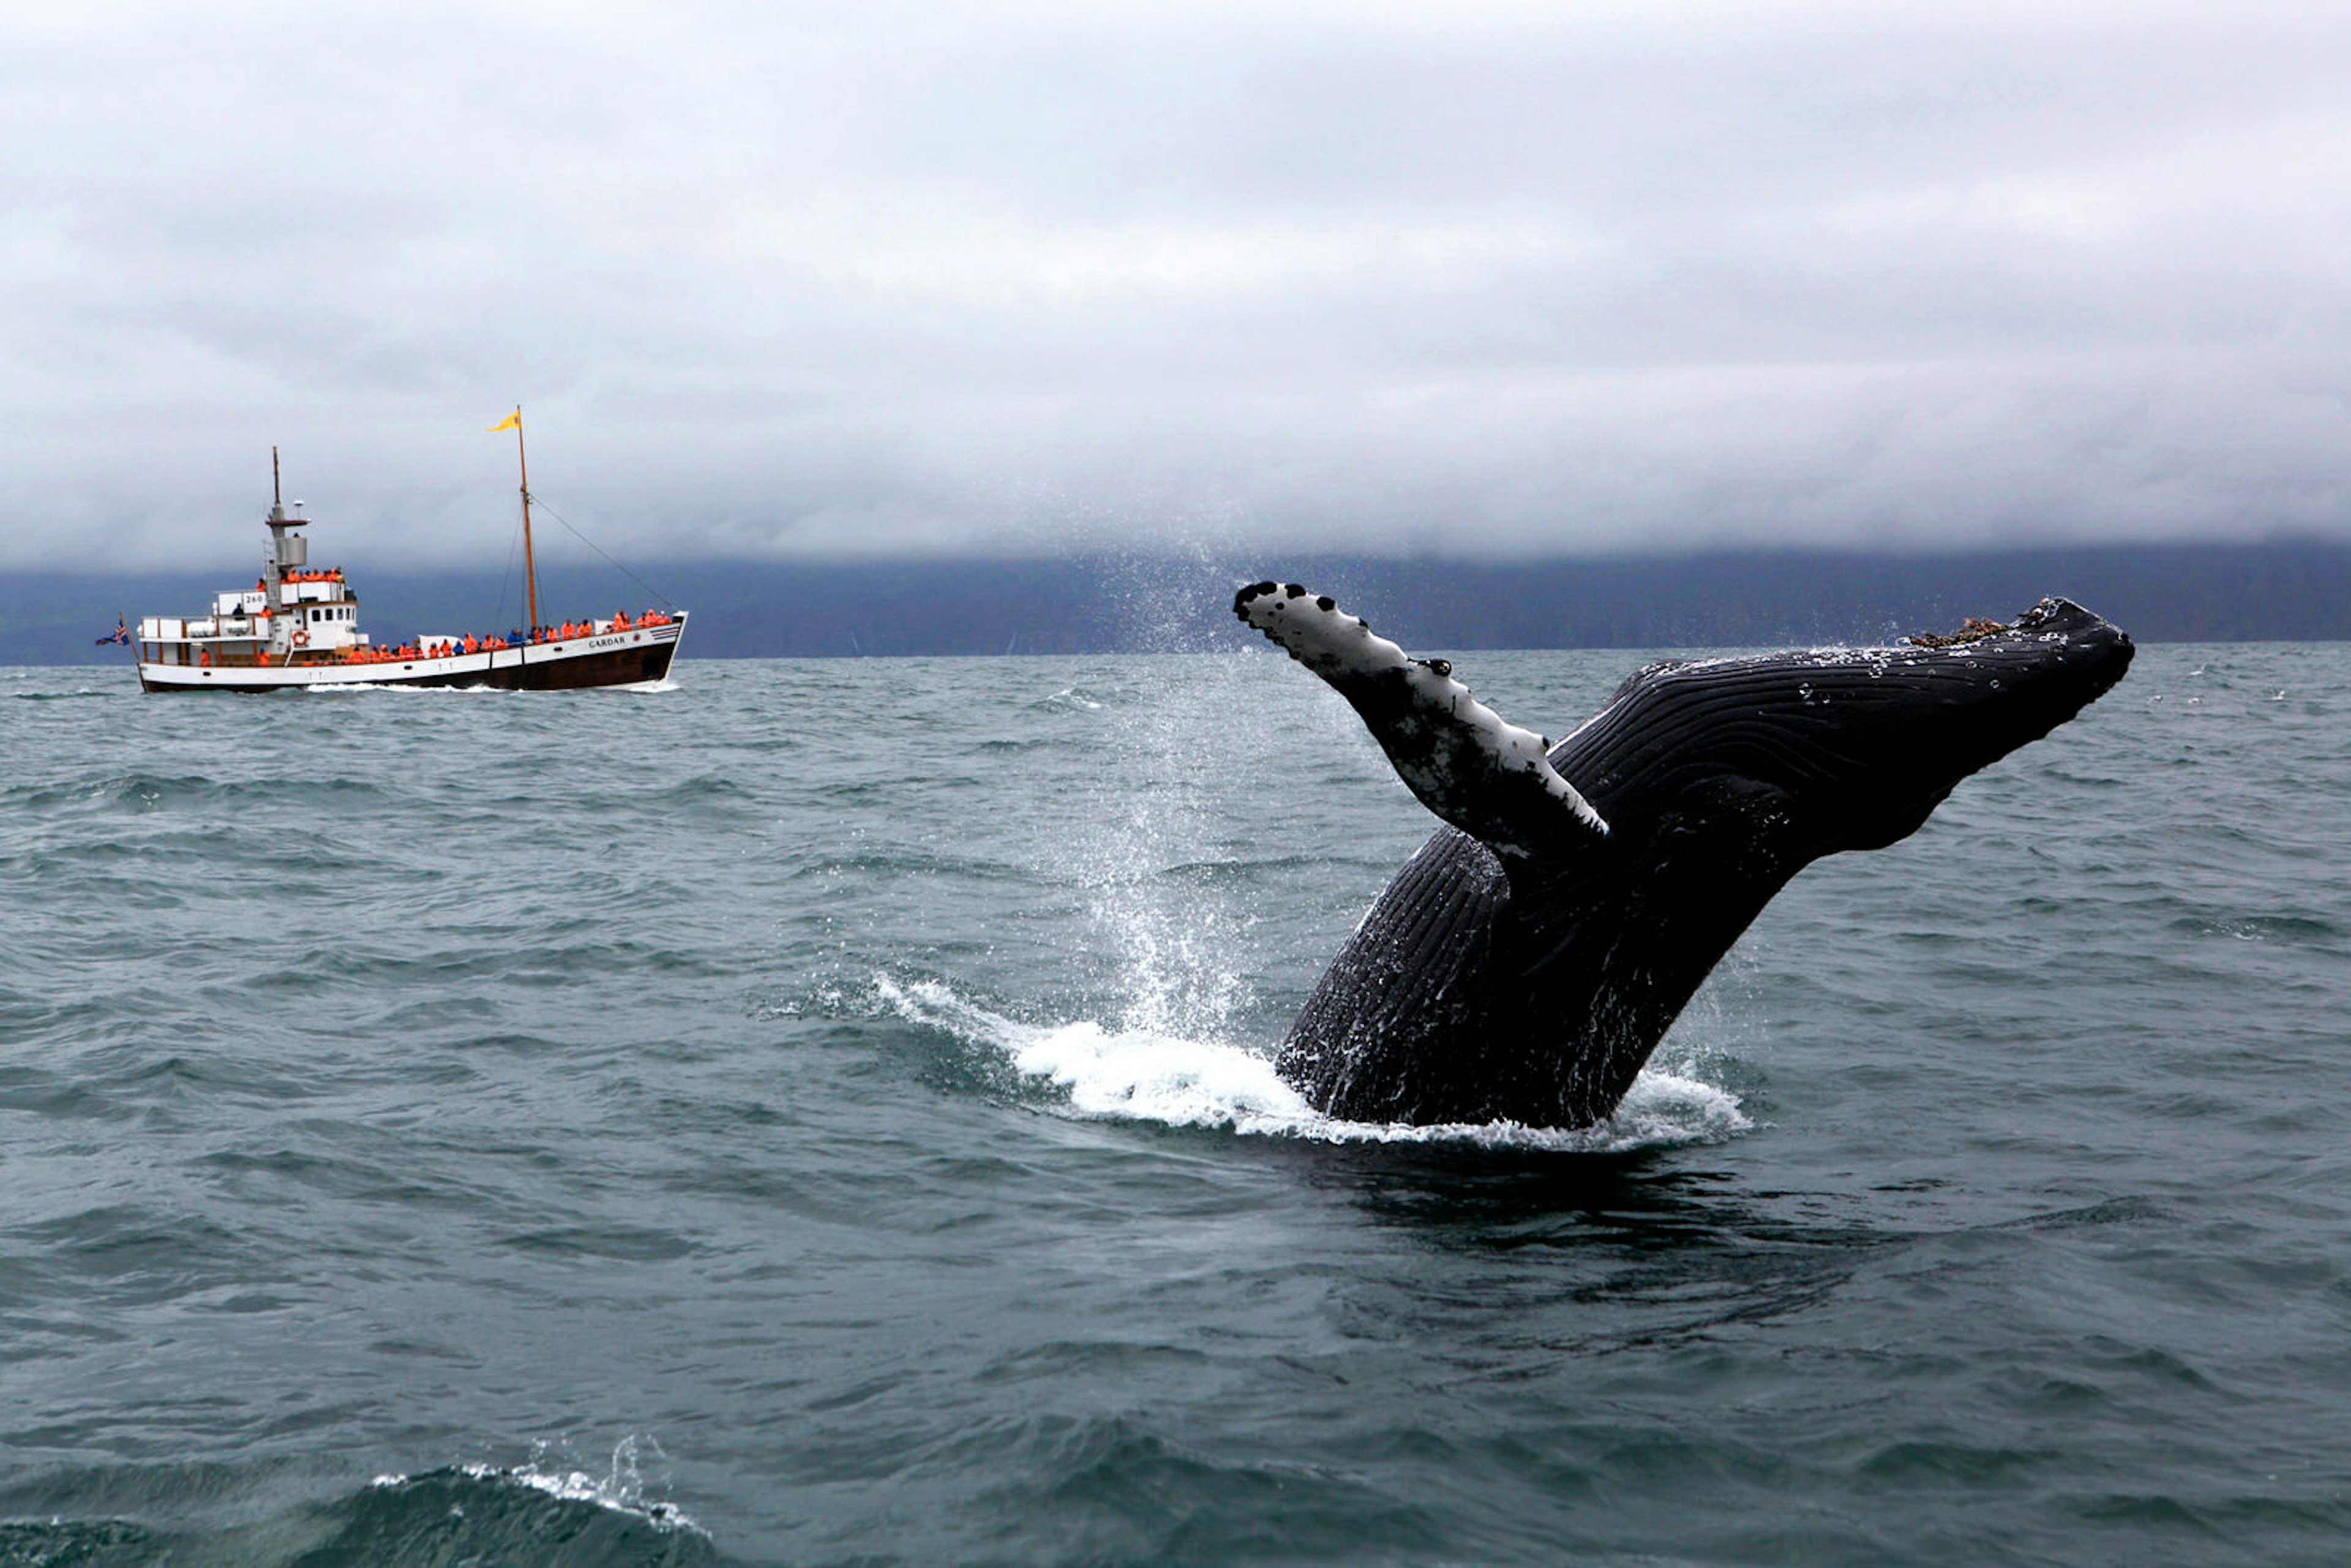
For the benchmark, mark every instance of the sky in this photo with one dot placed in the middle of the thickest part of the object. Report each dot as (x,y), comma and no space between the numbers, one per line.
(864,280)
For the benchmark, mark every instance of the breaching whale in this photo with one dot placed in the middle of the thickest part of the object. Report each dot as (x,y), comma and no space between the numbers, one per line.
(1525,962)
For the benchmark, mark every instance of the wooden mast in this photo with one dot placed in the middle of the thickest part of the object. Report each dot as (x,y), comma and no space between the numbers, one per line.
(529,569)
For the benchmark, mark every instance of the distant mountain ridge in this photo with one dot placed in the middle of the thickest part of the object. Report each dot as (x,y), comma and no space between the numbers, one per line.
(2279,591)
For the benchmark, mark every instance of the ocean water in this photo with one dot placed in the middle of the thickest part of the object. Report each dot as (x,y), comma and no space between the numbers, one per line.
(819,1113)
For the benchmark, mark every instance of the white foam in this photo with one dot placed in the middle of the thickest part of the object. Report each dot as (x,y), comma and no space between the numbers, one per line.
(1149,1076)
(621,1489)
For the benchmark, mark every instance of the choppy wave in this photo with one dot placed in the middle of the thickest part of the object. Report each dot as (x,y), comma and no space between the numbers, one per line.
(542,1512)
(79,693)
(621,1489)
(383,1086)
(1149,1076)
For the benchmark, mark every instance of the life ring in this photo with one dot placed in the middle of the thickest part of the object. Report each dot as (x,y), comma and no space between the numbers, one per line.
(302,639)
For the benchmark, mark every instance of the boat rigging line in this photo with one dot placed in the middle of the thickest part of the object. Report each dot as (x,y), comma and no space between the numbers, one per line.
(513,547)
(541,501)
(529,566)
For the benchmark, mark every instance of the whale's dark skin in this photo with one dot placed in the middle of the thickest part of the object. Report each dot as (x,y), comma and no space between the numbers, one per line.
(1525,974)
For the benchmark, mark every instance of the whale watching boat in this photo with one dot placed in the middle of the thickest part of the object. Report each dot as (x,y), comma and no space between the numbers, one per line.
(299,627)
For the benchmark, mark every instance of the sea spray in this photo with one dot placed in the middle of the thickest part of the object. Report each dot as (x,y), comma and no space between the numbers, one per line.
(1144,1075)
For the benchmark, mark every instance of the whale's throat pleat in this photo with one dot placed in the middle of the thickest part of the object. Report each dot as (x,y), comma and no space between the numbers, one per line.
(1378,1039)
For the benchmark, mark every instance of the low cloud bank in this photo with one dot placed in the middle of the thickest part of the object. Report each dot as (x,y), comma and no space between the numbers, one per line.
(2284,591)
(1491,281)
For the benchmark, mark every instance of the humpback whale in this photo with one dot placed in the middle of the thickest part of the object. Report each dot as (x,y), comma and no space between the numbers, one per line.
(1525,962)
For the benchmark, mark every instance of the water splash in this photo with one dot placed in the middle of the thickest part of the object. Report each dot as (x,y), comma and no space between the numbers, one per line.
(1145,1074)
(1176,947)
(621,1488)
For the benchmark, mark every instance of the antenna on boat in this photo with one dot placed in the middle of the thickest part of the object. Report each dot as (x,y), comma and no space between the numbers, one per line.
(277,492)
(530,572)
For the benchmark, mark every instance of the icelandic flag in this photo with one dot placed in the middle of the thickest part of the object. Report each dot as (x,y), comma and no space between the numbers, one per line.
(121,633)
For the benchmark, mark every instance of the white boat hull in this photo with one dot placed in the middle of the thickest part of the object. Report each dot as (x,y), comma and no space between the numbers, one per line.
(612,659)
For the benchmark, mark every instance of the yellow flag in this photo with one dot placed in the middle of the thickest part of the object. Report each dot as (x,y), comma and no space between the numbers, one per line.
(511,422)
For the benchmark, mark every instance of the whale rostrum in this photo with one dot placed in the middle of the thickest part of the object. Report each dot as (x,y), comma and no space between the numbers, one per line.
(1522,966)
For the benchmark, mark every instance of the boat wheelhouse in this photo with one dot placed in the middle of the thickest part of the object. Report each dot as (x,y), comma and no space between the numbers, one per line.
(298,626)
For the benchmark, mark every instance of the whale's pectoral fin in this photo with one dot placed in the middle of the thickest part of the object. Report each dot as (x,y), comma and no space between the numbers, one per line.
(1479,772)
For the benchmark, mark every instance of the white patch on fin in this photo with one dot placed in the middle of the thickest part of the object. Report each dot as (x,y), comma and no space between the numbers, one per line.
(1343,651)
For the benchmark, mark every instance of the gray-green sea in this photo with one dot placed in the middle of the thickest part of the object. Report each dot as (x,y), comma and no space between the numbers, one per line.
(819,1113)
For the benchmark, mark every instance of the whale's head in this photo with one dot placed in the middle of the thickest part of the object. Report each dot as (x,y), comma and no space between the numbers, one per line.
(1844,748)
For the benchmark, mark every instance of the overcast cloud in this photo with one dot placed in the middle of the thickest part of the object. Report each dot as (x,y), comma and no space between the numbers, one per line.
(789,280)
